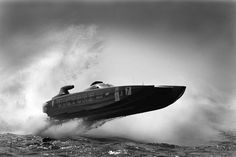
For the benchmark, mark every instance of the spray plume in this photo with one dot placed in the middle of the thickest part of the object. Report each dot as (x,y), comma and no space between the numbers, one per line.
(73,52)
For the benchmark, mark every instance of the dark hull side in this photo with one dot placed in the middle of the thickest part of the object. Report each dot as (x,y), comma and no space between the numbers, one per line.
(142,99)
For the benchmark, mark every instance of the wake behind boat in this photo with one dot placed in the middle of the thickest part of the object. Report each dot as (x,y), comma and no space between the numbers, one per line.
(103,101)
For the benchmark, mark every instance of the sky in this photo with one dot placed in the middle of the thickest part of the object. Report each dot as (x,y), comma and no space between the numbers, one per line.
(46,44)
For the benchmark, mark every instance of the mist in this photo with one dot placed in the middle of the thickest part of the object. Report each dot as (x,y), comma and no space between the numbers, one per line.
(140,43)
(73,53)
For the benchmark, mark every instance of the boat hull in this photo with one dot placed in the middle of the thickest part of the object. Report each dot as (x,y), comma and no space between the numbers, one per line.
(113,102)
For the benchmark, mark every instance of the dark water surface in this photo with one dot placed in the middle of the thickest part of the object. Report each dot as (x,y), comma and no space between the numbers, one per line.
(30,145)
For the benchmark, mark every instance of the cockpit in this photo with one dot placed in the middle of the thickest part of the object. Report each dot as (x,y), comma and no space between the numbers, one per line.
(95,85)
(98,85)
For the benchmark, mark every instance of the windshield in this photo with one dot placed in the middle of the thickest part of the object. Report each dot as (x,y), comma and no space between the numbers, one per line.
(99,85)
(103,85)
